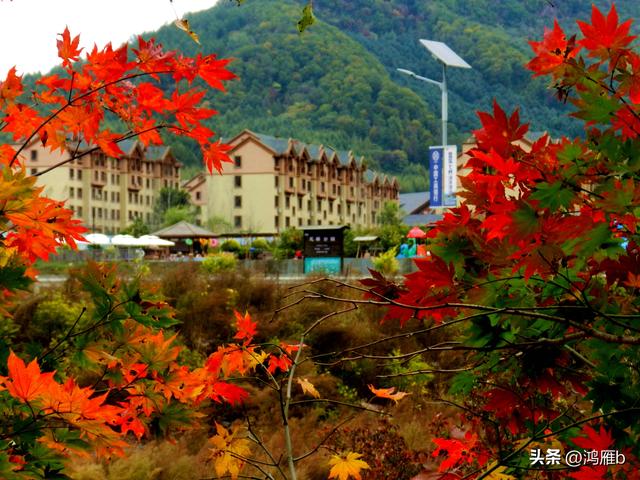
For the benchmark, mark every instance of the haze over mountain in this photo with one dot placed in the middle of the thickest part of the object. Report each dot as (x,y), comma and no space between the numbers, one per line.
(337,84)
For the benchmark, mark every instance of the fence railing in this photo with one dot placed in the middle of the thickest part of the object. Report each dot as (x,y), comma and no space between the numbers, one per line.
(352,267)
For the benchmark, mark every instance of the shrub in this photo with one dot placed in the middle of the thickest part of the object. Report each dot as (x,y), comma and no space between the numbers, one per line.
(260,244)
(387,263)
(230,246)
(220,262)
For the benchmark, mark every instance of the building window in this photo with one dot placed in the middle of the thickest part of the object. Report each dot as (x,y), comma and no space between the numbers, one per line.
(277,181)
(300,203)
(34,171)
(287,222)
(287,202)
(237,181)
(79,211)
(34,155)
(79,193)
(237,161)
(237,221)
(290,182)
(304,184)
(322,187)
(277,201)
(299,222)
(79,174)
(276,222)
(103,176)
(71,192)
(198,195)
(237,201)
(148,183)
(71,173)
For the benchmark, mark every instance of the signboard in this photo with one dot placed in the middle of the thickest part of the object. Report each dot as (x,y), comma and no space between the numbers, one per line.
(324,265)
(443,175)
(323,249)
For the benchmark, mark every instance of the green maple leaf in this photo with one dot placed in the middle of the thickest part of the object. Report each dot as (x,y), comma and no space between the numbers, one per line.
(552,195)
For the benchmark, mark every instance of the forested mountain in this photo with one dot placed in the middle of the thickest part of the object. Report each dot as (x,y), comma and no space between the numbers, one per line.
(337,84)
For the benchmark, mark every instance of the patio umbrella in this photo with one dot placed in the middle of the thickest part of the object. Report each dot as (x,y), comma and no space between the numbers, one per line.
(97,239)
(125,241)
(153,241)
(416,232)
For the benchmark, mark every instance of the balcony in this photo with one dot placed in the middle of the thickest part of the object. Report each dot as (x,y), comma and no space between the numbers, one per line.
(97,180)
(133,184)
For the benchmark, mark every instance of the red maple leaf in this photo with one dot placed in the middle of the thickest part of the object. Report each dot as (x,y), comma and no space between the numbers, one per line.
(457,451)
(604,34)
(246,328)
(500,132)
(213,71)
(552,52)
(214,154)
(68,49)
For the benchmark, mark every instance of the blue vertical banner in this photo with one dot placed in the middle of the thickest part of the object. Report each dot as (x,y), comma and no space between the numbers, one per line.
(435,175)
(450,176)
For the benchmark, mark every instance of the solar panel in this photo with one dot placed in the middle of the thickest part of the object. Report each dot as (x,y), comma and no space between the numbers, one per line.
(443,53)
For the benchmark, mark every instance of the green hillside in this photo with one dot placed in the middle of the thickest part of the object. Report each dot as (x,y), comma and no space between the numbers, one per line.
(337,84)
(321,87)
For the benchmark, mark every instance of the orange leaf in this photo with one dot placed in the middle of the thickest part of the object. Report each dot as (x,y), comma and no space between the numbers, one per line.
(10,88)
(25,382)
(246,328)
(214,154)
(388,393)
(68,49)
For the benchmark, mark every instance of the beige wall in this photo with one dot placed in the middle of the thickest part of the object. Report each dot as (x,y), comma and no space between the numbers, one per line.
(281,190)
(105,193)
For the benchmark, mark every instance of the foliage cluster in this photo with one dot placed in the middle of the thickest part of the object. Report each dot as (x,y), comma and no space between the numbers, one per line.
(216,263)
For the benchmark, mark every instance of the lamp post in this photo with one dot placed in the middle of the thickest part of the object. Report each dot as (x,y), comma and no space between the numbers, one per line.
(448,58)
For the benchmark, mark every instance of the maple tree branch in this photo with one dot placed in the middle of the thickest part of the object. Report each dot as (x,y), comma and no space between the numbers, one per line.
(256,439)
(323,441)
(72,101)
(66,337)
(128,135)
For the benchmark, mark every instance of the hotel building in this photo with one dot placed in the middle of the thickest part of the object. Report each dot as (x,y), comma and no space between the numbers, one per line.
(276,183)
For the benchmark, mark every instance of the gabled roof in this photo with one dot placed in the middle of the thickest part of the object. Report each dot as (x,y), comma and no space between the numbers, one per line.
(279,145)
(414,202)
(184,230)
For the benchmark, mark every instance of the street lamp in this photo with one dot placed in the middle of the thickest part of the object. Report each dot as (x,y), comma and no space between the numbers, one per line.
(448,58)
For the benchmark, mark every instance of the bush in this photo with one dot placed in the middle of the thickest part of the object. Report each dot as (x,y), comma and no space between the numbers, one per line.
(220,262)
(260,244)
(387,263)
(230,246)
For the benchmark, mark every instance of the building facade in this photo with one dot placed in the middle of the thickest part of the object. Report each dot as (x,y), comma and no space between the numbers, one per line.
(277,183)
(107,194)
